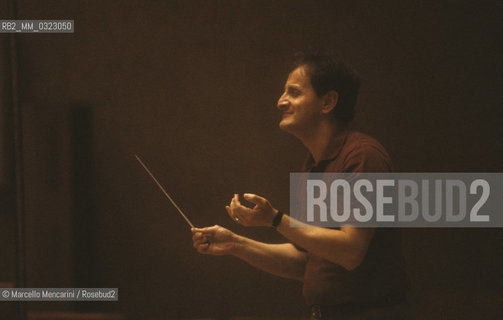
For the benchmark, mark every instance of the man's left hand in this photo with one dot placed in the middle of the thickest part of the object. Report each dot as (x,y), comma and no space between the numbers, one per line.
(261,215)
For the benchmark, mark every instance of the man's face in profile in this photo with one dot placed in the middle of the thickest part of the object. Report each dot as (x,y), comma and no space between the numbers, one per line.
(299,103)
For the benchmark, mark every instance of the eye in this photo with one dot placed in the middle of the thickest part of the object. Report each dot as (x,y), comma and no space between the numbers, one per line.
(294,92)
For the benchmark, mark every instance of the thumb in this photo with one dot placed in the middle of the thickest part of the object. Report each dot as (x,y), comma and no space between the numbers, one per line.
(207,230)
(253,198)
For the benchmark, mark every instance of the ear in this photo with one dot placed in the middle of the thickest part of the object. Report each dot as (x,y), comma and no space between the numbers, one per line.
(329,101)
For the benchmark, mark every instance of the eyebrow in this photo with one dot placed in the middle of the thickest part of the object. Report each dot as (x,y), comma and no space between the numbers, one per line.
(293,86)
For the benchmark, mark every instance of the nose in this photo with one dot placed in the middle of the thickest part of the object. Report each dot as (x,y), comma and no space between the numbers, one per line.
(282,103)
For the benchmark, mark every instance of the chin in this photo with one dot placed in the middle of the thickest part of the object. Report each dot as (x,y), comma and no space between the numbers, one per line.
(283,125)
(287,126)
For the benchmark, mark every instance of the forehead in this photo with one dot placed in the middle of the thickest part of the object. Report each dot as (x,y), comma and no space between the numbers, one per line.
(299,77)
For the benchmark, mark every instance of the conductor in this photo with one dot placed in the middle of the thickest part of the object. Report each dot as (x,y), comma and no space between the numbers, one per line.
(347,272)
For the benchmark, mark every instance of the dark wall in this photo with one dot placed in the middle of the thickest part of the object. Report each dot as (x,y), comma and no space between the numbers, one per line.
(191,86)
(7,183)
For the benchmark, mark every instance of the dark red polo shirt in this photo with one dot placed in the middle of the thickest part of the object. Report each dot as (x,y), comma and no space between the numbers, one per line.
(382,272)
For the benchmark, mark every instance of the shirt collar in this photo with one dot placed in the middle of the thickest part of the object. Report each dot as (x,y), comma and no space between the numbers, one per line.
(336,146)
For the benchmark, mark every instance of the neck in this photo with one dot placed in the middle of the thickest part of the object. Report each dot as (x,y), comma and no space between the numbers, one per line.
(323,140)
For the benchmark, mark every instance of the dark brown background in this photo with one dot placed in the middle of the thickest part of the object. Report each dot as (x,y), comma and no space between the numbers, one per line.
(191,86)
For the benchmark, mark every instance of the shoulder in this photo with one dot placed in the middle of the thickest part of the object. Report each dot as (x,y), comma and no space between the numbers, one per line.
(362,153)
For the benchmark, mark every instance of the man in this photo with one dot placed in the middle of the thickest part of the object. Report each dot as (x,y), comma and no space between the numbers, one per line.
(348,272)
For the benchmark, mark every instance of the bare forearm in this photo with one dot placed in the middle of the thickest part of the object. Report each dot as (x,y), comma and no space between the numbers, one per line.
(283,260)
(346,247)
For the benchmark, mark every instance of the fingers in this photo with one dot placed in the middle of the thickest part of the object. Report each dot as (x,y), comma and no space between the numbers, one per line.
(202,247)
(233,209)
(199,236)
(229,211)
(260,215)
(240,213)
(200,242)
(235,202)
(207,230)
(253,198)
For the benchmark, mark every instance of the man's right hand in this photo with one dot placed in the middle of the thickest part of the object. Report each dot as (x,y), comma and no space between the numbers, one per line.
(214,240)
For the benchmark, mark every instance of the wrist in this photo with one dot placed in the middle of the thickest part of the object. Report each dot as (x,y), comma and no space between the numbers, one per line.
(277,218)
(237,244)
